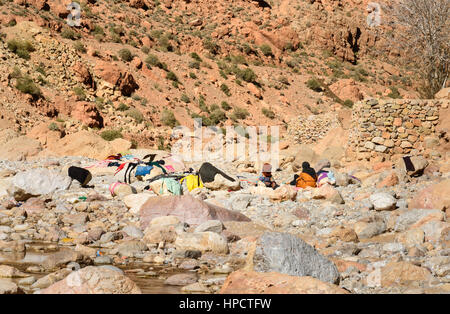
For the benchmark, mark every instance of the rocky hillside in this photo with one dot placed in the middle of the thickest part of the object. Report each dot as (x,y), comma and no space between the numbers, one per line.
(141,67)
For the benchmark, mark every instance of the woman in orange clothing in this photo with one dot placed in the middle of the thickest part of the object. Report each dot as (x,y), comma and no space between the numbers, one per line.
(307,177)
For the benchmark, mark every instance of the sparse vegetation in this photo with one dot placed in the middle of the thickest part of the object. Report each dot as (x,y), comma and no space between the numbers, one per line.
(135,114)
(239,113)
(110,135)
(266,50)
(168,118)
(68,33)
(53,127)
(78,46)
(268,113)
(225,106)
(125,54)
(314,85)
(22,48)
(79,92)
(224,88)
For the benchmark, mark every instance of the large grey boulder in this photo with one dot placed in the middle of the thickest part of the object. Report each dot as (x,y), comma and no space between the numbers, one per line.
(287,254)
(41,181)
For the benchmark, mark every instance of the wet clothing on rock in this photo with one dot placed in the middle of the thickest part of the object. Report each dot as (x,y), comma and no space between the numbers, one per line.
(81,175)
(172,185)
(192,182)
(208,172)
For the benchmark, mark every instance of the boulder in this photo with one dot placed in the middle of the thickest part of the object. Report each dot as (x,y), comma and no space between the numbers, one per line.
(418,162)
(383,201)
(202,241)
(210,225)
(187,208)
(250,282)
(7,287)
(88,114)
(94,280)
(135,201)
(329,193)
(41,181)
(403,273)
(155,234)
(221,183)
(283,193)
(288,254)
(401,220)
(366,230)
(121,79)
(435,196)
(130,248)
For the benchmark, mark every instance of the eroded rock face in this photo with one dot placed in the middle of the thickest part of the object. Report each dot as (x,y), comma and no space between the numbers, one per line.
(120,79)
(94,280)
(287,254)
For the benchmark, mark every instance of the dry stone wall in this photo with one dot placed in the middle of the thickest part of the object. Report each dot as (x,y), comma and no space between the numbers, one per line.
(392,127)
(310,129)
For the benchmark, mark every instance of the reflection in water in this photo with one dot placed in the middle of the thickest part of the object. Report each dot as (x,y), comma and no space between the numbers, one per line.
(32,256)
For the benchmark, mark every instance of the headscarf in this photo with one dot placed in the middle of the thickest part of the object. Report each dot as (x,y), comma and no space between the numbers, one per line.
(307,169)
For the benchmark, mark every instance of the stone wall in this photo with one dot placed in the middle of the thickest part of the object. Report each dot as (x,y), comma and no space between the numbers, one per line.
(308,129)
(394,127)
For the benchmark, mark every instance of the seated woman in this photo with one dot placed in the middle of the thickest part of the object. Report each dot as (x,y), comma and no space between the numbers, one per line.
(307,177)
(324,173)
(267,178)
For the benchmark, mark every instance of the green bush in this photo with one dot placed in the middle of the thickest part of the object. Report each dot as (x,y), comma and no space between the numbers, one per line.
(168,118)
(211,46)
(194,65)
(394,93)
(171,76)
(122,107)
(225,106)
(217,116)
(145,50)
(22,48)
(185,98)
(152,59)
(79,91)
(79,47)
(70,34)
(224,88)
(247,75)
(239,113)
(125,55)
(192,75)
(268,113)
(26,85)
(314,85)
(195,56)
(266,50)
(348,103)
(53,127)
(110,135)
(135,114)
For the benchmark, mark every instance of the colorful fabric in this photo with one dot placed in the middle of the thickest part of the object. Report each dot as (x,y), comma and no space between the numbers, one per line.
(143,170)
(173,186)
(192,182)
(304,180)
